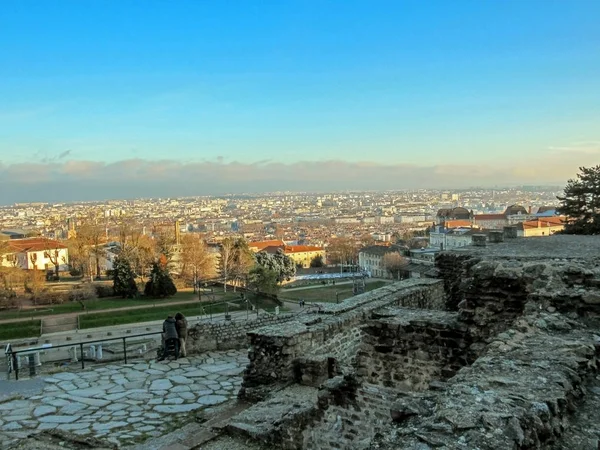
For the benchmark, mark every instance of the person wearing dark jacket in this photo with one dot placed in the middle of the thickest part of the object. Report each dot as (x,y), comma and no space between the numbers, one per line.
(181,325)
(170,332)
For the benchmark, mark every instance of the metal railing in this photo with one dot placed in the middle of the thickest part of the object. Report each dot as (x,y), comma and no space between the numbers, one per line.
(34,353)
(12,356)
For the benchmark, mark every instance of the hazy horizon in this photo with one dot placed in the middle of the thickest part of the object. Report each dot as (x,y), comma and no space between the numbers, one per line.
(191,98)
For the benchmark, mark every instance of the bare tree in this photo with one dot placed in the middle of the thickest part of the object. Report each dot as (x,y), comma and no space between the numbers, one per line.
(53,254)
(196,261)
(342,251)
(139,249)
(243,261)
(4,250)
(228,255)
(394,263)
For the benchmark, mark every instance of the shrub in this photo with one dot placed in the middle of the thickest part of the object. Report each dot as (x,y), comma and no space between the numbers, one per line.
(51,298)
(74,272)
(103,290)
(82,292)
(8,298)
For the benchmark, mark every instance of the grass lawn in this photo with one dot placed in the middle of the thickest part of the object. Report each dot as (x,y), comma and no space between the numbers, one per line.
(328,293)
(9,331)
(96,305)
(100,319)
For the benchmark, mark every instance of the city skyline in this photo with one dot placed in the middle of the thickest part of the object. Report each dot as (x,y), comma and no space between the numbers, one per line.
(190,98)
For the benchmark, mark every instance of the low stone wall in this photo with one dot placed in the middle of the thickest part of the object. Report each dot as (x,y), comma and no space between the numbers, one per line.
(407,349)
(231,335)
(333,332)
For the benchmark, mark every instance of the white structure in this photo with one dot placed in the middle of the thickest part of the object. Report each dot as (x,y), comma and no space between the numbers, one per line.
(35,253)
(370,260)
(446,239)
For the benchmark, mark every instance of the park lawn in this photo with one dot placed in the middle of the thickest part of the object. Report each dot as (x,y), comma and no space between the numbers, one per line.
(19,330)
(327,293)
(96,305)
(197,309)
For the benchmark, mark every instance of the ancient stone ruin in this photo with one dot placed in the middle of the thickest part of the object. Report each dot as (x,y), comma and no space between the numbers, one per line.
(500,353)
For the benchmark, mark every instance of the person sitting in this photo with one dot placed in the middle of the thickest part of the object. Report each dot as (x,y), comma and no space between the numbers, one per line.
(181,325)
(169,336)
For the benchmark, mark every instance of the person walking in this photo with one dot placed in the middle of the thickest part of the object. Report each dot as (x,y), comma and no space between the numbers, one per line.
(181,325)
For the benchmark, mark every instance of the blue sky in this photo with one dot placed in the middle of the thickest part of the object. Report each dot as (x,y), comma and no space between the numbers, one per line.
(438,83)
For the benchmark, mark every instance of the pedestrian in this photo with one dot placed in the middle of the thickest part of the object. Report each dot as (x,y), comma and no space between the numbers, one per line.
(181,325)
(169,334)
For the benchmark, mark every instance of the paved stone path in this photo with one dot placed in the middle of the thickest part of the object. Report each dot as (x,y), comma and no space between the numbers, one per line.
(127,403)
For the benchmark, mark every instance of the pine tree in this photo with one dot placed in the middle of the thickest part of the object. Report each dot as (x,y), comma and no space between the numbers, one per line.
(160,284)
(124,283)
(279,263)
(581,202)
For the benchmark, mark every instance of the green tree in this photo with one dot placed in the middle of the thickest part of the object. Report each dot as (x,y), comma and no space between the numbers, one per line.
(160,284)
(264,280)
(279,263)
(317,261)
(581,202)
(123,277)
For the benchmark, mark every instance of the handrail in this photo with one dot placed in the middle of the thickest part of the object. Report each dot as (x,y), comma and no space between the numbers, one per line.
(12,354)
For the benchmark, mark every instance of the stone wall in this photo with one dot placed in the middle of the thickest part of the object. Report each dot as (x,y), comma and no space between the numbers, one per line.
(230,335)
(348,415)
(493,293)
(277,351)
(520,394)
(408,349)
(507,364)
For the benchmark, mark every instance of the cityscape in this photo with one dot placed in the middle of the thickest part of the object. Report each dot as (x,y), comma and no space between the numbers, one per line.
(300,225)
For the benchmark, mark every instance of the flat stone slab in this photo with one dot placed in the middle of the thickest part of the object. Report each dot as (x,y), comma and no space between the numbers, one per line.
(180,379)
(44,410)
(107,426)
(161,385)
(91,392)
(124,402)
(58,419)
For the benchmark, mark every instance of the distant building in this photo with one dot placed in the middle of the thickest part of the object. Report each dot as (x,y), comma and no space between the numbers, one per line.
(370,259)
(459,213)
(513,215)
(261,245)
(448,238)
(35,253)
(540,226)
(302,255)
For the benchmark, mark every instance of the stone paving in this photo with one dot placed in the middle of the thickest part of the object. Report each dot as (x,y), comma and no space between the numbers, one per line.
(125,403)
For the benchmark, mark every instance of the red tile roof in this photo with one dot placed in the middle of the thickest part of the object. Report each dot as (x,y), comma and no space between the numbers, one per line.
(261,245)
(489,217)
(34,245)
(457,223)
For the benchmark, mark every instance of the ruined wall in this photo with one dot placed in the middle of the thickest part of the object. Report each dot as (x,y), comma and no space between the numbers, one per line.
(520,394)
(408,349)
(507,365)
(348,416)
(494,292)
(205,337)
(279,354)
